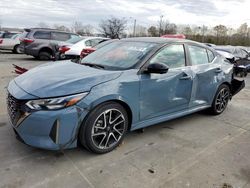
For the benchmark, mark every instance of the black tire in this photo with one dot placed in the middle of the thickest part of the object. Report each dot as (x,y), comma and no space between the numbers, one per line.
(44,56)
(16,49)
(98,138)
(221,99)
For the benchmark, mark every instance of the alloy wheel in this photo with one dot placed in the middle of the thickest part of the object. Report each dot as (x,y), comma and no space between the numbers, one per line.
(108,129)
(222,100)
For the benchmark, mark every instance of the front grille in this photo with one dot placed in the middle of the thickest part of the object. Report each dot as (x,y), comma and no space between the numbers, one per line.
(15,109)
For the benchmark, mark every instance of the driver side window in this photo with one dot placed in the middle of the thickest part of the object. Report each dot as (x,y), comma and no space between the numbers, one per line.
(173,56)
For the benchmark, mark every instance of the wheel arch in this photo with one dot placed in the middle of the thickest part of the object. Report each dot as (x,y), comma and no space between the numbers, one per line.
(127,108)
(119,101)
(15,46)
(228,84)
(46,49)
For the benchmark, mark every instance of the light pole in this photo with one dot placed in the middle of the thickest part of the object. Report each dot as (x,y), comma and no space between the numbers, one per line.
(203,33)
(134,26)
(160,25)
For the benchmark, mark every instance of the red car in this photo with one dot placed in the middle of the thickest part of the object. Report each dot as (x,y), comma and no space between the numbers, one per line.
(176,36)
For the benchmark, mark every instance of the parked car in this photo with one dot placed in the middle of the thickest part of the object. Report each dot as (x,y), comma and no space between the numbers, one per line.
(239,70)
(12,43)
(42,43)
(245,48)
(177,36)
(126,85)
(7,35)
(87,51)
(64,46)
(242,57)
(74,51)
(20,70)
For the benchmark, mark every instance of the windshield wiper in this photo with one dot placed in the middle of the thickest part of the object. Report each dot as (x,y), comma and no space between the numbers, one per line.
(94,65)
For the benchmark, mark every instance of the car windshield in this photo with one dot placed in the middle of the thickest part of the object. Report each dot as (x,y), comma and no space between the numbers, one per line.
(74,39)
(119,55)
(104,43)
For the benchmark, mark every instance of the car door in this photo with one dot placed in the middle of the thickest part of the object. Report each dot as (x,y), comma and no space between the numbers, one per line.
(206,75)
(6,43)
(162,94)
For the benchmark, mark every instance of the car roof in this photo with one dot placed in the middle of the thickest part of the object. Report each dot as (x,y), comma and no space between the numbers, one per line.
(91,37)
(161,40)
(47,29)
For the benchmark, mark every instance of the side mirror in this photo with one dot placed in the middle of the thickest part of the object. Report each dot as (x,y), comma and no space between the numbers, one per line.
(157,68)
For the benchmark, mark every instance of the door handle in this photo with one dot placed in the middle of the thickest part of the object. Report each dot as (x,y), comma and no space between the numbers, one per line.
(218,70)
(185,77)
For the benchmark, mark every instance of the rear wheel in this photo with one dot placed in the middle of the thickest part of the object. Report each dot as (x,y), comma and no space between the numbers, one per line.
(104,128)
(44,55)
(220,100)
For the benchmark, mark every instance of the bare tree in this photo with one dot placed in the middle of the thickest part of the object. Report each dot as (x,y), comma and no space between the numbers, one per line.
(243,29)
(187,30)
(61,27)
(170,28)
(77,27)
(113,27)
(43,25)
(87,30)
(221,31)
(153,32)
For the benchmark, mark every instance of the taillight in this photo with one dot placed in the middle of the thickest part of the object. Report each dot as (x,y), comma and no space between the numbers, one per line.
(1,41)
(63,49)
(86,52)
(26,40)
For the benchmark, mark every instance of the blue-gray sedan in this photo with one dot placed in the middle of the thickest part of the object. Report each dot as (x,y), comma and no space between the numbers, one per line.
(126,85)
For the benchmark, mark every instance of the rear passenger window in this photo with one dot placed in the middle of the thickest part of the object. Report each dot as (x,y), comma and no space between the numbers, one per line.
(42,35)
(8,35)
(173,56)
(88,43)
(94,42)
(60,36)
(198,55)
(210,55)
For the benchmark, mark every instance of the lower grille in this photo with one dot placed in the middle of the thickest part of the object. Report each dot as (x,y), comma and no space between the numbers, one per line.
(15,109)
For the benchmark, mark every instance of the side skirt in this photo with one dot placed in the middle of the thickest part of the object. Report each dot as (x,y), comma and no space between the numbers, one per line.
(167,117)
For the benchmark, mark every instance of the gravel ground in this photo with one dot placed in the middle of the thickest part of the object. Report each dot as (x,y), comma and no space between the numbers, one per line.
(194,151)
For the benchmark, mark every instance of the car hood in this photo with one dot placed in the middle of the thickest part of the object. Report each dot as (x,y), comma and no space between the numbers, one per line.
(62,78)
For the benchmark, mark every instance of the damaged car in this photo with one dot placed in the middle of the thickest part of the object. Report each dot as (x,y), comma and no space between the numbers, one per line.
(124,86)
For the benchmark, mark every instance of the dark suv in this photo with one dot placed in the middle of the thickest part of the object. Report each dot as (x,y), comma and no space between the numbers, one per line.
(41,43)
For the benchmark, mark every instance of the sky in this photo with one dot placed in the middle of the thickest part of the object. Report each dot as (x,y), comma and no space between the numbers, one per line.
(28,13)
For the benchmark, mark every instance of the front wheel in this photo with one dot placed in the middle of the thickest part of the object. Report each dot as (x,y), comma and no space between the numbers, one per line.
(17,49)
(220,100)
(104,128)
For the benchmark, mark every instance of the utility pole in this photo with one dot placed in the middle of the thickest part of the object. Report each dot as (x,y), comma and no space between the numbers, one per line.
(134,28)
(203,33)
(160,25)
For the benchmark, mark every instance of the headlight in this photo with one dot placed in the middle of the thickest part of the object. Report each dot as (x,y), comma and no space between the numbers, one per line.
(55,103)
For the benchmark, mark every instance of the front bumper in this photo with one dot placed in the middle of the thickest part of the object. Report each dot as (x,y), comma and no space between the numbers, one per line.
(53,130)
